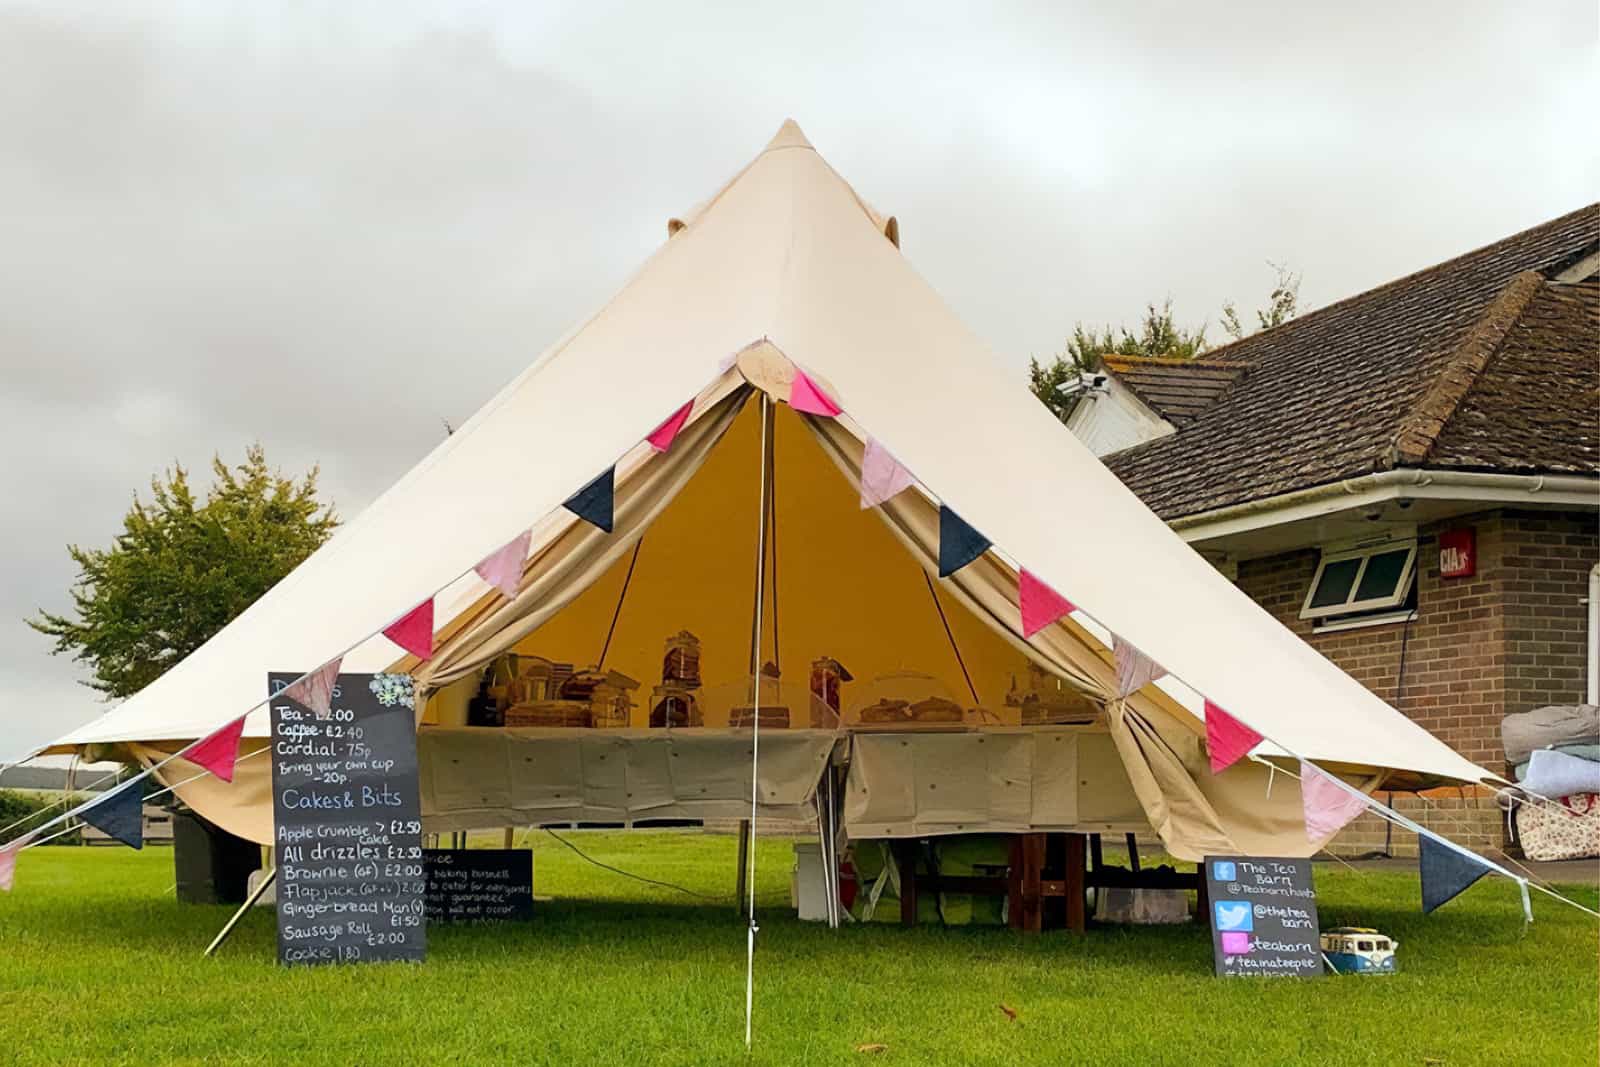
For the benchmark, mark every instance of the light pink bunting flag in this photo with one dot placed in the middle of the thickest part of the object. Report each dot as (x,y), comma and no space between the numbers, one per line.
(218,752)
(502,568)
(413,631)
(1328,806)
(662,436)
(1040,605)
(1135,670)
(1227,739)
(882,477)
(315,690)
(805,396)
(8,860)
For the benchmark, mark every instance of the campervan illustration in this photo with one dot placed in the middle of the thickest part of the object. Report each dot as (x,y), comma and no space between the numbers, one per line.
(1359,950)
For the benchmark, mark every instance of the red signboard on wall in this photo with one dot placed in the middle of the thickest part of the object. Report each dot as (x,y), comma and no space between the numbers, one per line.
(1458,553)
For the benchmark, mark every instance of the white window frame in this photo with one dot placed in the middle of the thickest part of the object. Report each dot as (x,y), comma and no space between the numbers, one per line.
(1392,601)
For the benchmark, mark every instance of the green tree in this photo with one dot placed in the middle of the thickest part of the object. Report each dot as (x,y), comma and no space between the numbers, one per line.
(180,570)
(1158,336)
(1282,305)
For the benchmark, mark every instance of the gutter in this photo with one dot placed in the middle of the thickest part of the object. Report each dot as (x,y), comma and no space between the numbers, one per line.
(1411,483)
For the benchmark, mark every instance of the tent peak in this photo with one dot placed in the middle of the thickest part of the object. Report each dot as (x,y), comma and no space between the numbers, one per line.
(789,135)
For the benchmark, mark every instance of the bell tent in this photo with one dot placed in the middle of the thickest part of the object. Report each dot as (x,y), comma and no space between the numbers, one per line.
(773,368)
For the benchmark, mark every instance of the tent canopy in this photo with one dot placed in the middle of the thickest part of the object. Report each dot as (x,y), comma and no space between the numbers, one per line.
(789,267)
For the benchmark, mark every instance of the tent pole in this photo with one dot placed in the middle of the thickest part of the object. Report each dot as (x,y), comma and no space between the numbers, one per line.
(739,878)
(765,507)
(249,902)
(748,859)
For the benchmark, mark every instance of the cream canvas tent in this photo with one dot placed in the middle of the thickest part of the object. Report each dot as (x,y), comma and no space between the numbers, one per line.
(784,268)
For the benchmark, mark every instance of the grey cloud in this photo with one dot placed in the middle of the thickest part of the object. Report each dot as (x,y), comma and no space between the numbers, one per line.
(211,215)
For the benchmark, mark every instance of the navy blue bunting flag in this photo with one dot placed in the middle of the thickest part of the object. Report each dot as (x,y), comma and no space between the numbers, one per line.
(119,814)
(593,503)
(959,544)
(1445,872)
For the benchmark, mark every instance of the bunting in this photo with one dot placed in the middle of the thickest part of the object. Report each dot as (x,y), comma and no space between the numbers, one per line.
(1328,806)
(1040,605)
(413,631)
(8,860)
(1135,670)
(662,436)
(1446,872)
(315,690)
(804,396)
(594,502)
(502,568)
(218,752)
(1227,739)
(882,477)
(119,813)
(959,544)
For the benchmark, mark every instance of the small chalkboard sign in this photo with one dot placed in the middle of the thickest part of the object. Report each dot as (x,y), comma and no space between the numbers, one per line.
(1263,914)
(347,823)
(479,884)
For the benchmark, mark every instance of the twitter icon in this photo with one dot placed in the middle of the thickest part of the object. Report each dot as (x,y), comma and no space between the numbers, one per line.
(1234,915)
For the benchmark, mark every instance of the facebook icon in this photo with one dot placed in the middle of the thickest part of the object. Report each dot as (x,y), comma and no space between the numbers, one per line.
(1223,871)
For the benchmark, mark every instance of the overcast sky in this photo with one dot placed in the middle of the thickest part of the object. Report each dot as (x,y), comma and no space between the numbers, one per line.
(206,216)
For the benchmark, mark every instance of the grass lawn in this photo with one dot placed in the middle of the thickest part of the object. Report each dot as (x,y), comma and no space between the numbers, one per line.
(99,964)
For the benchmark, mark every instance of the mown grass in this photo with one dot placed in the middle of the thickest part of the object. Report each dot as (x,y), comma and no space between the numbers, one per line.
(99,964)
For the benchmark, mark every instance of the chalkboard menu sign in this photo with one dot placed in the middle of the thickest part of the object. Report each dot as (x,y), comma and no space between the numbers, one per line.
(479,884)
(347,824)
(1263,917)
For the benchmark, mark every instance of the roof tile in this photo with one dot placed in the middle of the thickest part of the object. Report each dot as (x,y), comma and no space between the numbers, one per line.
(1328,395)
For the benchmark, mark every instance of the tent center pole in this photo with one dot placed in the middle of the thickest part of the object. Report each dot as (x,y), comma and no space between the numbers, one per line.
(747,859)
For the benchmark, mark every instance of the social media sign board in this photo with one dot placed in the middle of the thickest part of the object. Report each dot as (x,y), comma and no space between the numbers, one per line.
(1263,914)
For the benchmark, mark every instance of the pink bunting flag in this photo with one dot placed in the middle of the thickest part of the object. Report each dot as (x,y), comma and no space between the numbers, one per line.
(315,690)
(662,436)
(218,752)
(1135,670)
(1328,805)
(1040,604)
(8,860)
(413,631)
(1227,739)
(882,477)
(805,396)
(502,568)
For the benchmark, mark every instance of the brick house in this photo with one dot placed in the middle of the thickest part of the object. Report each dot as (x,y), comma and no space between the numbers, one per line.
(1408,480)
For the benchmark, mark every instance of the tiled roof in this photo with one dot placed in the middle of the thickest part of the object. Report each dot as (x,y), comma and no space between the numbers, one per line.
(1536,405)
(1176,389)
(1463,364)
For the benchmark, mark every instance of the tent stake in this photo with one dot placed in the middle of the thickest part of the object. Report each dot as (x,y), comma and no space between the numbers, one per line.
(249,902)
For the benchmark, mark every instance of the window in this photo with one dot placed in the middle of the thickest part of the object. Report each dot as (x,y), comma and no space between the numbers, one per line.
(1364,946)
(1376,578)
